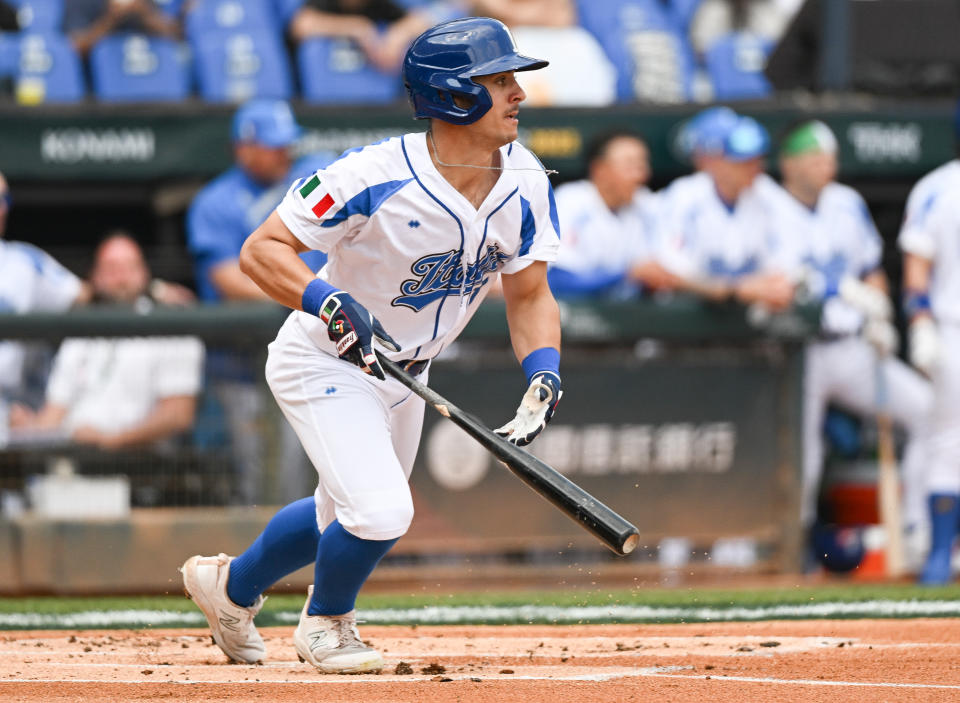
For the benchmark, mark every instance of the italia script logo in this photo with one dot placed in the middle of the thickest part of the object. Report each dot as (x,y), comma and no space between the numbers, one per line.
(440,275)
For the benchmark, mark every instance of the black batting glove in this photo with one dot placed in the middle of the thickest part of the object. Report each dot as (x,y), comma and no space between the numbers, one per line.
(353,330)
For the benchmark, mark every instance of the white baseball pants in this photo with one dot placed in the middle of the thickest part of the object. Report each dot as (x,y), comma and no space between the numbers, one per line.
(360,433)
(844,371)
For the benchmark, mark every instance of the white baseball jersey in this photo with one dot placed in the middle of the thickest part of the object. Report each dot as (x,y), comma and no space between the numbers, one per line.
(409,247)
(931,229)
(701,237)
(599,240)
(836,238)
(30,281)
(114,384)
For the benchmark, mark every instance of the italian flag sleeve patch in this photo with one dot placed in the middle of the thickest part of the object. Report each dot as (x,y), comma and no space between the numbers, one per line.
(319,202)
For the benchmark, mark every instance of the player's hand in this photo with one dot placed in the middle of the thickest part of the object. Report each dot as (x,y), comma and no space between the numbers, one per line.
(773,291)
(924,344)
(869,300)
(353,329)
(535,409)
(882,336)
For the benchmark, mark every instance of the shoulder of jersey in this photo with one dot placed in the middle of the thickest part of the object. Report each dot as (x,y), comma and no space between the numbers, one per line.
(944,180)
(574,189)
(383,160)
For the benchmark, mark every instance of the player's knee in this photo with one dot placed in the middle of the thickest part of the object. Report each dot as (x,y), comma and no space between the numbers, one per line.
(383,521)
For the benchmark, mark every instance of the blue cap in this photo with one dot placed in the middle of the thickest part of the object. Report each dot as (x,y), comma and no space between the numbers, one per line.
(267,122)
(704,132)
(747,140)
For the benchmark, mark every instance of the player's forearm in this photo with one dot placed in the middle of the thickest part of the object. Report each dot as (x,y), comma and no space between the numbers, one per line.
(270,258)
(532,315)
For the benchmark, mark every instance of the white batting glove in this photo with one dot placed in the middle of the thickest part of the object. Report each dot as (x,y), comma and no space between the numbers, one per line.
(535,409)
(924,344)
(882,336)
(869,300)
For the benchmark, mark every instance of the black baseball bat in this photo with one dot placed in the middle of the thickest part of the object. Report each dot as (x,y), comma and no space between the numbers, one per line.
(609,527)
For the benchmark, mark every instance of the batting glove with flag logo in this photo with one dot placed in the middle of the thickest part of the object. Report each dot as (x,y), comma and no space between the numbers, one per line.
(535,411)
(353,329)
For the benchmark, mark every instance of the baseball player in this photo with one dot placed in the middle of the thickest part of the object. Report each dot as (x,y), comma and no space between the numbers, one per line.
(715,226)
(827,227)
(415,227)
(608,224)
(931,301)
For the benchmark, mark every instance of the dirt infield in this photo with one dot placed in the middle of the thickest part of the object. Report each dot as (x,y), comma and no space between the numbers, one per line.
(808,661)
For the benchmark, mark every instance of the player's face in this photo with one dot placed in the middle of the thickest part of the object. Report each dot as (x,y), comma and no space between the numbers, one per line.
(734,177)
(624,168)
(500,122)
(120,274)
(266,165)
(816,169)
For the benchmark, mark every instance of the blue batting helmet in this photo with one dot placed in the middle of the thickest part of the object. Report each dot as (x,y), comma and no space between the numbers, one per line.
(442,62)
(838,549)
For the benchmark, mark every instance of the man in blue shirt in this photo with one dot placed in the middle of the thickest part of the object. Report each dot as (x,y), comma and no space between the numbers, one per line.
(220,218)
(229,208)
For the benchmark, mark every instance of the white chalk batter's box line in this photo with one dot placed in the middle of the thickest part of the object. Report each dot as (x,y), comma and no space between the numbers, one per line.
(668,672)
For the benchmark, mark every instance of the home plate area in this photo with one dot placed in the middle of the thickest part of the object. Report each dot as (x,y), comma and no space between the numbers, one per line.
(863,660)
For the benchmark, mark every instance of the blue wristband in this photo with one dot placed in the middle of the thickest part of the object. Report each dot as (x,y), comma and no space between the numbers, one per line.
(542,359)
(915,302)
(314,295)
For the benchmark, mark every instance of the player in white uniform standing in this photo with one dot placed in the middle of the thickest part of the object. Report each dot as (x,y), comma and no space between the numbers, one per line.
(930,240)
(415,228)
(608,222)
(837,249)
(716,226)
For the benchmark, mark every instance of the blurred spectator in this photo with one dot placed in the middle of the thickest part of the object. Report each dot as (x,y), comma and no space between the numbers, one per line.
(608,223)
(535,13)
(716,226)
(123,392)
(220,218)
(647,42)
(383,29)
(88,21)
(715,19)
(30,281)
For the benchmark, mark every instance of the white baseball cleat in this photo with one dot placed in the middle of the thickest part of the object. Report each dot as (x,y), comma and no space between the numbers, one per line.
(205,581)
(332,644)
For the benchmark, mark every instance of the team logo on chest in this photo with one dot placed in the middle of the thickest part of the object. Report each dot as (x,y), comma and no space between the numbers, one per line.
(439,275)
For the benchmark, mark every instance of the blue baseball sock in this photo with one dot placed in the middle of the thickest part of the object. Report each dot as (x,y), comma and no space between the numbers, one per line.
(944,517)
(344,563)
(287,543)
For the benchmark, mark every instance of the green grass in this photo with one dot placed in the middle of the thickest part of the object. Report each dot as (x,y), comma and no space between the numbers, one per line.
(663,597)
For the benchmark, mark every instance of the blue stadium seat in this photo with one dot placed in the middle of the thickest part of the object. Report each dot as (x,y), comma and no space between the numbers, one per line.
(233,15)
(48,69)
(735,64)
(336,71)
(647,44)
(138,68)
(39,15)
(236,66)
